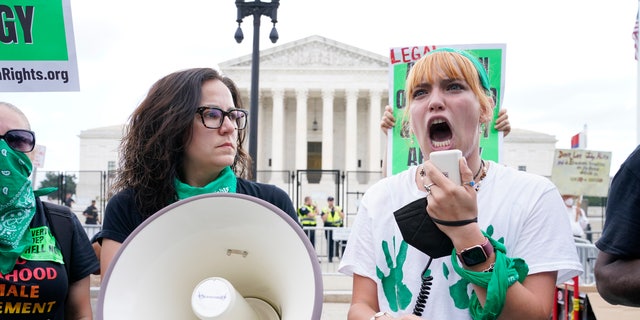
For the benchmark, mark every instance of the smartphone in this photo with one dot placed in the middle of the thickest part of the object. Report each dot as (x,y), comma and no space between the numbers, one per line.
(447,162)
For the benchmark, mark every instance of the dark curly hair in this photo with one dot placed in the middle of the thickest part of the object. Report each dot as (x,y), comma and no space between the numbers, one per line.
(152,148)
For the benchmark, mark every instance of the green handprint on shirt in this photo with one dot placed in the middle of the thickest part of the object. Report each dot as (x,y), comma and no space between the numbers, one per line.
(397,294)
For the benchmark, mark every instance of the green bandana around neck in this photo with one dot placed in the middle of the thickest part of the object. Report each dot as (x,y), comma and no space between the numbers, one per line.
(17,205)
(225,182)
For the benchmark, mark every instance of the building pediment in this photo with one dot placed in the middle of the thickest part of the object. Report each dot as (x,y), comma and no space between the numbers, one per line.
(314,52)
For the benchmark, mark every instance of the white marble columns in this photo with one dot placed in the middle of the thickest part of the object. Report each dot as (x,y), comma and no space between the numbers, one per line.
(327,129)
(351,130)
(343,144)
(301,129)
(277,125)
(374,130)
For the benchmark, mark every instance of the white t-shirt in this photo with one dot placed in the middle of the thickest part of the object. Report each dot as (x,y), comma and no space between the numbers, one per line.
(523,209)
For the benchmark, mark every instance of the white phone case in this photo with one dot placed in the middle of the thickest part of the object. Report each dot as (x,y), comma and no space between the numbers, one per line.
(447,162)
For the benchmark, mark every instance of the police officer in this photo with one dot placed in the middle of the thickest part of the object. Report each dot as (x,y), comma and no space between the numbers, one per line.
(307,214)
(332,216)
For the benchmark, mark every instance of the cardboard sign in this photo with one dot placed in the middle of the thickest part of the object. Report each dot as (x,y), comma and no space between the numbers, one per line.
(581,172)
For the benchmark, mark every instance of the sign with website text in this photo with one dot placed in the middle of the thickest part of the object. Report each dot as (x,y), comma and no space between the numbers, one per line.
(37,46)
(581,172)
(403,149)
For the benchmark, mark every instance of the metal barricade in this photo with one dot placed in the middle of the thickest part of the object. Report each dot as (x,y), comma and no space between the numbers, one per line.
(91,229)
(587,252)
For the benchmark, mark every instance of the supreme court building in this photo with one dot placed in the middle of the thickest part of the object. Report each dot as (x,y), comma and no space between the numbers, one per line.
(320,105)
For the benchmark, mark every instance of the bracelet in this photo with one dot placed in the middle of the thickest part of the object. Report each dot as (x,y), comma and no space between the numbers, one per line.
(379,315)
(490,268)
(456,223)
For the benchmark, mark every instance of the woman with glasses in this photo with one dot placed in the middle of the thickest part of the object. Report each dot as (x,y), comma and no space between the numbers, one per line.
(184,139)
(40,277)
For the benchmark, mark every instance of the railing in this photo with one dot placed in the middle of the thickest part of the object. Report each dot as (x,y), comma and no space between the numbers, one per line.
(587,253)
(339,238)
(91,229)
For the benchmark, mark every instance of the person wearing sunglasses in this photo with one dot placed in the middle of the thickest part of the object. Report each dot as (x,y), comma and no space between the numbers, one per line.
(35,282)
(184,139)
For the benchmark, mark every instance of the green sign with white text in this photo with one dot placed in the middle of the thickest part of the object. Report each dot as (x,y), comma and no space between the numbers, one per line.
(405,151)
(37,49)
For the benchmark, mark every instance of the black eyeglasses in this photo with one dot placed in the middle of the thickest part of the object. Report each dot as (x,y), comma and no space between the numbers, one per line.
(213,117)
(20,140)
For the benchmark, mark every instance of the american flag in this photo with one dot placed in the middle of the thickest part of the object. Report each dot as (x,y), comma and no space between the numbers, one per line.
(634,35)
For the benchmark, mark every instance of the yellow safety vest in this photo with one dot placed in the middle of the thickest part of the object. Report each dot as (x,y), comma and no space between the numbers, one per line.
(304,218)
(333,216)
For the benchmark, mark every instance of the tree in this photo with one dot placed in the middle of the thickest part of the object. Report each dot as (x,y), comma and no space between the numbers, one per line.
(65,184)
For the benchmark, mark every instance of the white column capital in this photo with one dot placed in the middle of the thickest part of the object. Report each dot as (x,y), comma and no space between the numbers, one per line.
(328,93)
(302,93)
(277,92)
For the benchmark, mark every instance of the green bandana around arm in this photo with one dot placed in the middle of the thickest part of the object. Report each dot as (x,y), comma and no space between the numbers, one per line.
(506,271)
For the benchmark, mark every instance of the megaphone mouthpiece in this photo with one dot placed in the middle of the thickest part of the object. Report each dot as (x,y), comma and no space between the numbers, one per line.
(215,298)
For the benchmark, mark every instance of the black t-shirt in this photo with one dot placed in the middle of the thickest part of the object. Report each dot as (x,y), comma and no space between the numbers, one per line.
(91,215)
(38,289)
(121,217)
(620,236)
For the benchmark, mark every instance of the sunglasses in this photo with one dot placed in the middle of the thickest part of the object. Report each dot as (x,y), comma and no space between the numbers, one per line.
(20,140)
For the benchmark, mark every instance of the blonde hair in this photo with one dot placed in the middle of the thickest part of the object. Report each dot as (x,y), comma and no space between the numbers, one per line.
(448,65)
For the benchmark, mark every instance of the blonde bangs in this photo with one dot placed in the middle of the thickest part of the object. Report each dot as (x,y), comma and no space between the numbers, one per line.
(447,65)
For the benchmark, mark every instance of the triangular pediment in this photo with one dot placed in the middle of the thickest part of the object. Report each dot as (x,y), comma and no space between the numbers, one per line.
(311,53)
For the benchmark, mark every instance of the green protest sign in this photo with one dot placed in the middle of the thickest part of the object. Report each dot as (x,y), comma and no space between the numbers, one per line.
(404,150)
(37,49)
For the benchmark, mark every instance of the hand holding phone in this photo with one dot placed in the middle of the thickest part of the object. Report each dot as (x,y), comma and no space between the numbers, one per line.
(447,162)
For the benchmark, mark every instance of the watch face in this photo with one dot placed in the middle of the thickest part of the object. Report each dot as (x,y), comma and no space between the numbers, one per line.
(473,256)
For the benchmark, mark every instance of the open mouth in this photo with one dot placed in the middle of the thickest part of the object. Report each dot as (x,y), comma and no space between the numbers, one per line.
(440,133)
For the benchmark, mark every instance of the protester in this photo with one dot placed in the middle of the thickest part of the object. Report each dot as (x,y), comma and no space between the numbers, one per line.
(184,139)
(577,217)
(41,278)
(617,269)
(480,250)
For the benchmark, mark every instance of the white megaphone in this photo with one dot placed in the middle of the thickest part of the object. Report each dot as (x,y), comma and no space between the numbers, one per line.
(215,256)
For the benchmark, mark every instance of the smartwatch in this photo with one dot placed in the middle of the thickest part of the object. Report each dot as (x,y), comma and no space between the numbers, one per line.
(477,254)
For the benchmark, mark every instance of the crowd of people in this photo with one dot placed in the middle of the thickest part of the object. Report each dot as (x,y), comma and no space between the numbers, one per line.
(420,245)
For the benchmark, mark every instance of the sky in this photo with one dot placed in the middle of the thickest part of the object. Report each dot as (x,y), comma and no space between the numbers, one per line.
(569,63)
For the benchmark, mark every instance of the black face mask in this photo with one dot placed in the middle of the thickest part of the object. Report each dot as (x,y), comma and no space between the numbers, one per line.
(420,231)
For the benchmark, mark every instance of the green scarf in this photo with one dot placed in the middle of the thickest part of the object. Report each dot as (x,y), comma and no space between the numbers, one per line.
(225,182)
(506,271)
(17,205)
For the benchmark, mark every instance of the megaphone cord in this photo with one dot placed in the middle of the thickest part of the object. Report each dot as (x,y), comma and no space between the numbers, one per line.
(425,289)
